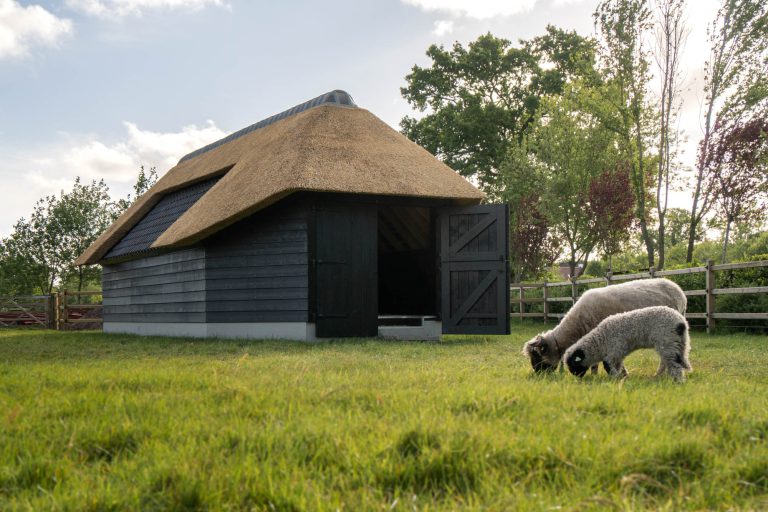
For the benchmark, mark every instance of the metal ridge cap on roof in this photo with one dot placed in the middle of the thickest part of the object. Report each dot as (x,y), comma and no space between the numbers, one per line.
(335,97)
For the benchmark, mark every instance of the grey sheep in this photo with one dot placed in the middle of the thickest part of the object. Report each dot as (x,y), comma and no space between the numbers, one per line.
(546,350)
(658,327)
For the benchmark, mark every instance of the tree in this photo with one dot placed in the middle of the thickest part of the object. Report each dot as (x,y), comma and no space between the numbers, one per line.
(59,229)
(144,181)
(482,99)
(678,221)
(81,215)
(41,251)
(18,276)
(532,246)
(736,67)
(611,208)
(738,167)
(670,40)
(573,147)
(622,105)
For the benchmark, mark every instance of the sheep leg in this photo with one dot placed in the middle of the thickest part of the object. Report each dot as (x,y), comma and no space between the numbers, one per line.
(615,368)
(593,369)
(662,368)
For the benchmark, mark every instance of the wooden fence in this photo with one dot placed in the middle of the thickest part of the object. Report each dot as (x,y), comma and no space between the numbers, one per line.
(710,315)
(61,311)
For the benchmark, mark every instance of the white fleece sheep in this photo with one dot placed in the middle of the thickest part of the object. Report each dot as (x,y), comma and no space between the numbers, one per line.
(657,327)
(546,349)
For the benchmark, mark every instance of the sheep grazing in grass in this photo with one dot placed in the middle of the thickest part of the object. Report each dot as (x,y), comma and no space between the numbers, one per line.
(657,327)
(546,350)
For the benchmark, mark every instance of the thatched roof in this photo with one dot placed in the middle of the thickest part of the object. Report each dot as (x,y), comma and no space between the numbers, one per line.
(326,147)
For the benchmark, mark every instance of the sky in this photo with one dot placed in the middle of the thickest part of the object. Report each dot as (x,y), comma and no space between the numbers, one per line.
(98,88)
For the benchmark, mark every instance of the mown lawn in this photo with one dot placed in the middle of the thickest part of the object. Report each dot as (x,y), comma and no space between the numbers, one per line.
(108,422)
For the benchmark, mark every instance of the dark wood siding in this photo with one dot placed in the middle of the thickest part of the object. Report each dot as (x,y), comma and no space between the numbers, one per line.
(257,269)
(165,288)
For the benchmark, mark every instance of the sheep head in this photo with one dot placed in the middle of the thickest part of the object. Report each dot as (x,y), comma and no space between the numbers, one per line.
(543,353)
(577,363)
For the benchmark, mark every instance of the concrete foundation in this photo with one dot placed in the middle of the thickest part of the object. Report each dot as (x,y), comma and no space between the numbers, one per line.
(303,331)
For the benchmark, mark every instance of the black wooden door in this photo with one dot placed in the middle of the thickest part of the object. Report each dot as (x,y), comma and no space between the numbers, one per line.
(474,254)
(346,293)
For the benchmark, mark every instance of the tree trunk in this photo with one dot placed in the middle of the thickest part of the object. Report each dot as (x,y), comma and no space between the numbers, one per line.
(640,186)
(79,284)
(661,242)
(725,239)
(693,227)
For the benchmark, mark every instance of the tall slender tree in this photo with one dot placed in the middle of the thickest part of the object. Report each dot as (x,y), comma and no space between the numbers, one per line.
(623,26)
(735,81)
(671,33)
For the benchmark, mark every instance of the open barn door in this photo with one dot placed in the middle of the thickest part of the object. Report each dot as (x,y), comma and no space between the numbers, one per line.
(474,256)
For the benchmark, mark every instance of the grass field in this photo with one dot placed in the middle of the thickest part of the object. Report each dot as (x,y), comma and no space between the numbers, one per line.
(108,422)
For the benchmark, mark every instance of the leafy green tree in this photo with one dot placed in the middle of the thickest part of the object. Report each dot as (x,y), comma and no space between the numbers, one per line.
(40,253)
(481,99)
(18,276)
(81,215)
(574,148)
(59,229)
(678,221)
(622,102)
(533,245)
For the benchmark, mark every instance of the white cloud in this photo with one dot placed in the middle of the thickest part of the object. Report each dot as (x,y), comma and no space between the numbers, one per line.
(121,161)
(478,9)
(443,27)
(45,171)
(121,8)
(22,28)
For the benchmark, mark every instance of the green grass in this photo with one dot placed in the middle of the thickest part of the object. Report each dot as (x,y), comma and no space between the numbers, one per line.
(109,422)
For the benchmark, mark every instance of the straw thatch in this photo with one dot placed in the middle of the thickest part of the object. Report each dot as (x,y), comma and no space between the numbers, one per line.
(327,148)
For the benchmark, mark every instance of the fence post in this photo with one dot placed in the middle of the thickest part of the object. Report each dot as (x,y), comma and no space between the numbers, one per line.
(64,314)
(608,277)
(545,294)
(50,311)
(652,272)
(574,291)
(710,288)
(522,302)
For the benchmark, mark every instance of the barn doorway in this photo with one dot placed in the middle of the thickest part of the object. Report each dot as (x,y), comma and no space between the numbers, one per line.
(407,265)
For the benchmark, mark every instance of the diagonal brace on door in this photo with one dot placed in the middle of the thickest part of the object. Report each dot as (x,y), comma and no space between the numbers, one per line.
(482,287)
(472,234)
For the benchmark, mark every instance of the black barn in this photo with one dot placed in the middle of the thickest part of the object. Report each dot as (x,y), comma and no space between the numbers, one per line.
(319,222)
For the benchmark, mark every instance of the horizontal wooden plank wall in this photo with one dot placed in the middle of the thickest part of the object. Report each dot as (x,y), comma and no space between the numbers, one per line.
(253,271)
(164,288)
(257,269)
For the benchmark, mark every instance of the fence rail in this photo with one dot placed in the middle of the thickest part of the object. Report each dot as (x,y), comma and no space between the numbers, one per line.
(709,292)
(61,310)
